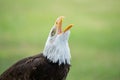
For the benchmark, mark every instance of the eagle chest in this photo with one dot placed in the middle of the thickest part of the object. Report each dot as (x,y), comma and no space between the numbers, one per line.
(51,72)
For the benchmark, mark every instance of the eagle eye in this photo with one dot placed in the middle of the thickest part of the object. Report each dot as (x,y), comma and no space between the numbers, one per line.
(53,32)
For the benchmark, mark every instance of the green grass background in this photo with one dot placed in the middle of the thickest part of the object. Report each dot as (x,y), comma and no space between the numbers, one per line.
(94,39)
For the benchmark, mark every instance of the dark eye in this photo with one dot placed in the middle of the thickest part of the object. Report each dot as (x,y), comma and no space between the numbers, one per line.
(53,32)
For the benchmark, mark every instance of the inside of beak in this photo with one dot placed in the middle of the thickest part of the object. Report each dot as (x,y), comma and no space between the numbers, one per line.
(58,24)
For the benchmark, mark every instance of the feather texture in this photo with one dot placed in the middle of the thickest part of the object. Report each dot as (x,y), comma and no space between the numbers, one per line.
(36,68)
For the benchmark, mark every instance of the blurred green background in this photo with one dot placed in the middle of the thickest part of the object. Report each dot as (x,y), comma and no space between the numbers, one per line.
(94,39)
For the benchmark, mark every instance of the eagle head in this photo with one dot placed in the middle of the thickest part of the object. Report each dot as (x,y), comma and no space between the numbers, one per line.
(57,48)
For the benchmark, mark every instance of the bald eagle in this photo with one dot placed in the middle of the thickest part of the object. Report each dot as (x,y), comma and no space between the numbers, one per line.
(52,64)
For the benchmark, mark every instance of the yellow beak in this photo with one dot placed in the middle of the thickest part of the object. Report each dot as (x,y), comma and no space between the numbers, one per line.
(58,24)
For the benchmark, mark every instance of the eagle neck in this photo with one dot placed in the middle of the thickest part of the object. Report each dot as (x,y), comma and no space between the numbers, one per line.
(58,54)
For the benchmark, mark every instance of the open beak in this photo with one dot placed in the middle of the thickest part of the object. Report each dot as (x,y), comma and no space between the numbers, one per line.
(58,24)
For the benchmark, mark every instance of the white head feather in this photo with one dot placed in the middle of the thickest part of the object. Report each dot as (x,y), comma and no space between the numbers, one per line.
(57,48)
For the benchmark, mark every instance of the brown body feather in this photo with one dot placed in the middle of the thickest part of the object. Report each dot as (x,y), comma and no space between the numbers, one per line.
(36,68)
